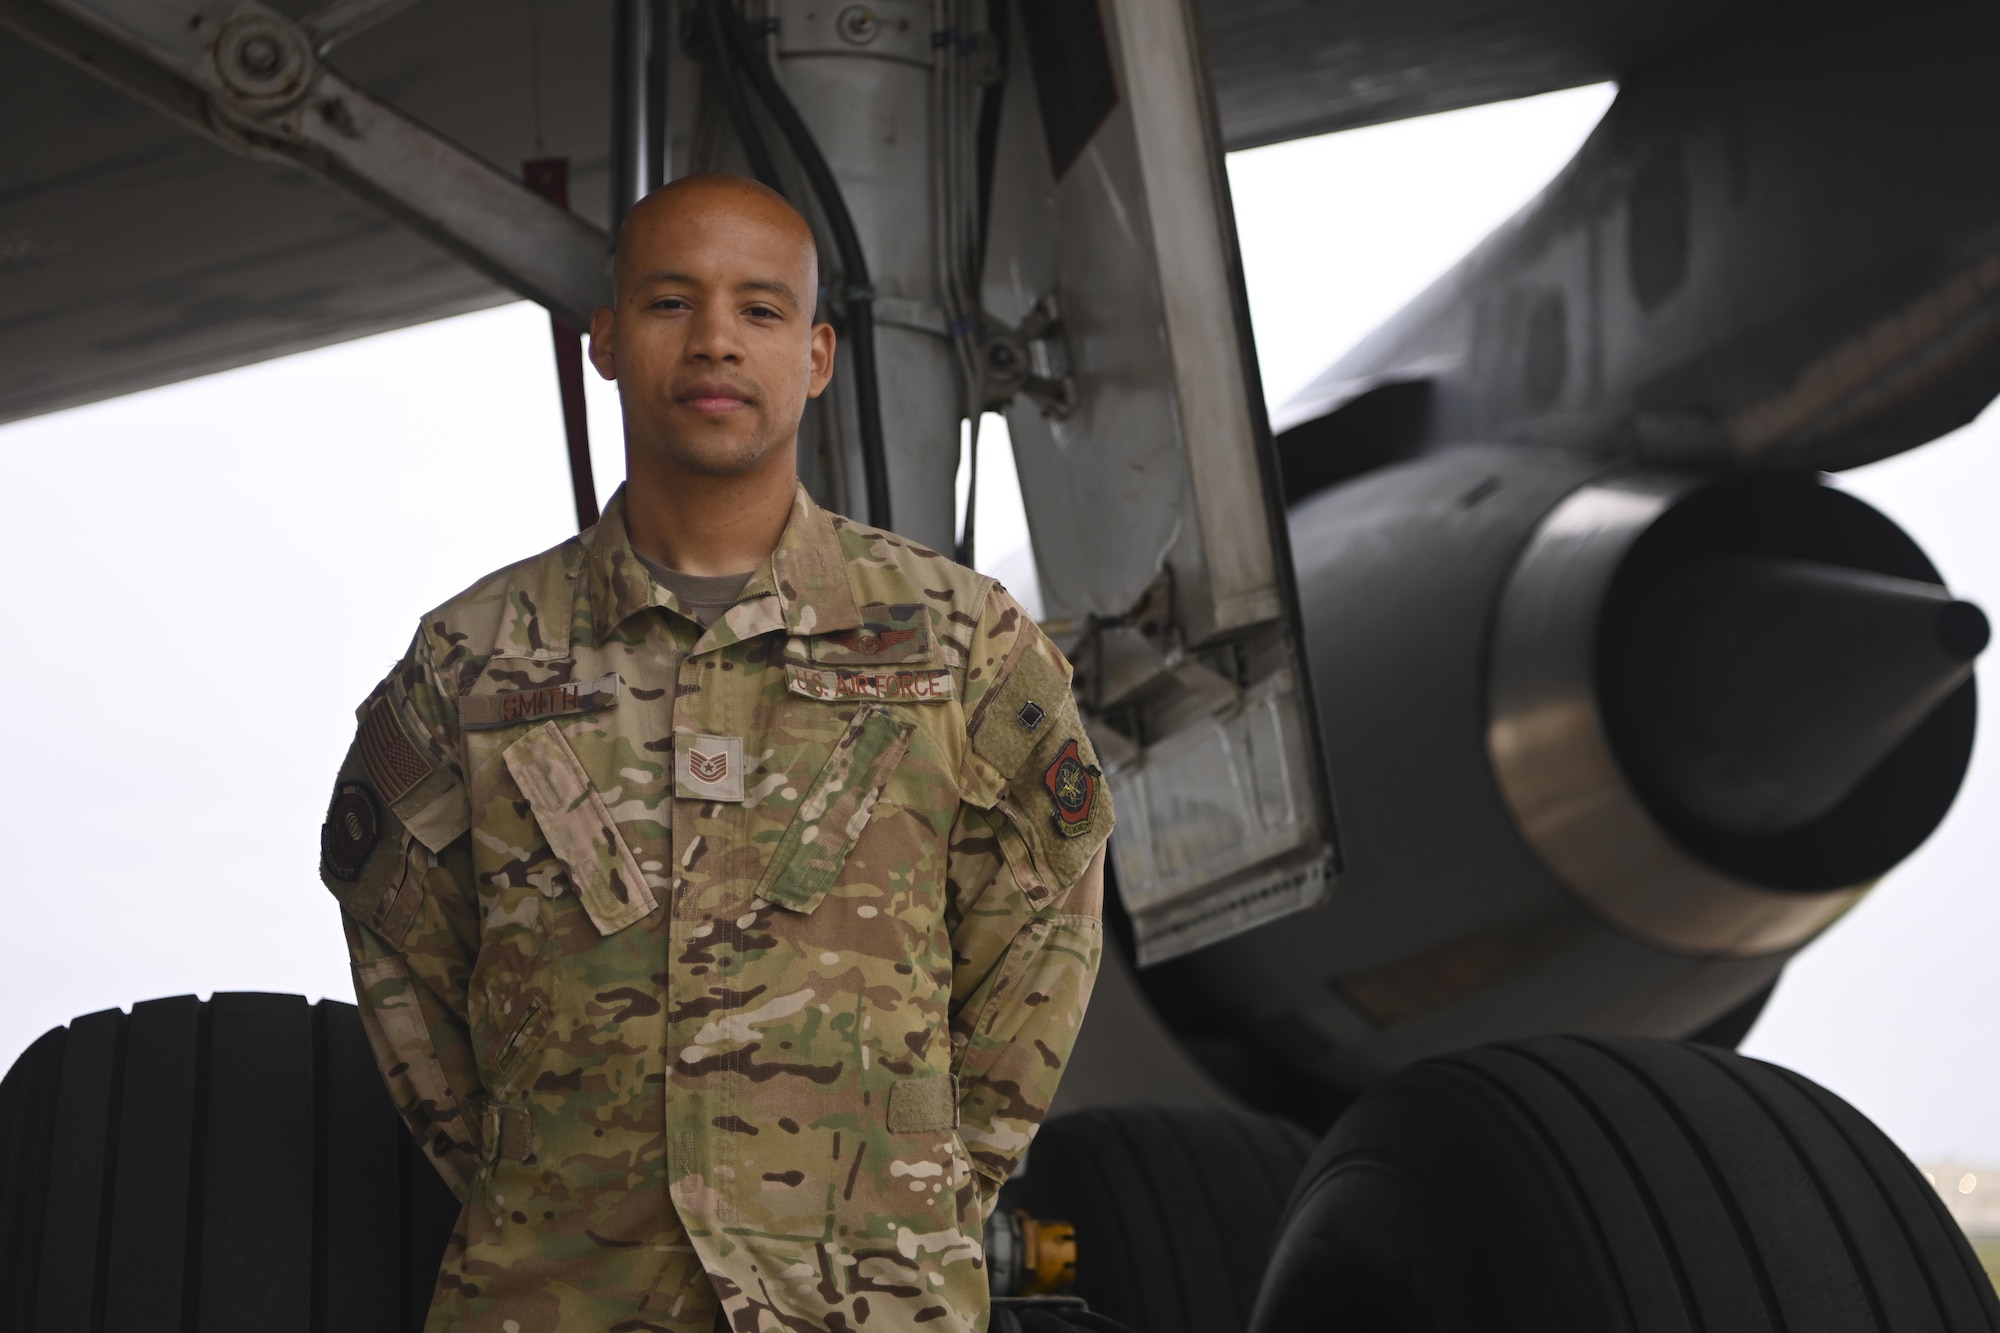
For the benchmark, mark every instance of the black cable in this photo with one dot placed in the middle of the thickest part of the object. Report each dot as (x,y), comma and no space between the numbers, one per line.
(655,174)
(722,26)
(965,551)
(991,101)
(624,41)
(860,294)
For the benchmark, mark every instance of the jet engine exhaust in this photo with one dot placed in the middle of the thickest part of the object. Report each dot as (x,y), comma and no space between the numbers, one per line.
(1756,693)
(1680,722)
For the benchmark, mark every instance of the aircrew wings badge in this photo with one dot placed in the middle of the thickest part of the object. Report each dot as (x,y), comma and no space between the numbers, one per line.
(1072,787)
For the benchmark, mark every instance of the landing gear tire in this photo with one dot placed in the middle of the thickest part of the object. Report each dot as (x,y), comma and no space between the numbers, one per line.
(1175,1208)
(234,1163)
(1571,1185)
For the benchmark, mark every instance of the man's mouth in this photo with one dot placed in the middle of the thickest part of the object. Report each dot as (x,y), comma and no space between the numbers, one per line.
(712,399)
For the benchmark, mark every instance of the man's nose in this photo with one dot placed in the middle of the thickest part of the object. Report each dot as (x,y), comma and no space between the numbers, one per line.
(713,337)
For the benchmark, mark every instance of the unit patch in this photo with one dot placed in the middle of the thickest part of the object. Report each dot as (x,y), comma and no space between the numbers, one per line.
(709,768)
(351,829)
(392,758)
(1072,786)
(490,712)
(894,686)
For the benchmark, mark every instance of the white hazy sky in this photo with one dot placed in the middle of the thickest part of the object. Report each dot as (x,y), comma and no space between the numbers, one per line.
(203,579)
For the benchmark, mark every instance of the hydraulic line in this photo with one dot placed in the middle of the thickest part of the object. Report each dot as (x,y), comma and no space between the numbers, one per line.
(952,212)
(860,294)
(655,165)
(721,20)
(549,177)
(626,39)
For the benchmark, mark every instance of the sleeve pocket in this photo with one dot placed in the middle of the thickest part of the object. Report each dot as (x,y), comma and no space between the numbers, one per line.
(580,830)
(835,810)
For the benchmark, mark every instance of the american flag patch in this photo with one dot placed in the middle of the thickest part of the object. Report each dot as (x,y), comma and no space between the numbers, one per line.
(393,760)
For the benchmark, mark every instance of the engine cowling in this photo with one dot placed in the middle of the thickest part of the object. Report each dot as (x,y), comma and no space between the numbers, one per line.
(1609,746)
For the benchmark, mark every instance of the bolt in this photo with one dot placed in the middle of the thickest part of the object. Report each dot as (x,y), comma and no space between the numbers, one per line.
(260,56)
(858,24)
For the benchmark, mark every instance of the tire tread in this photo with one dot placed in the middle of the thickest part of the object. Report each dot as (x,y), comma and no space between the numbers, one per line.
(233,1164)
(1724,1195)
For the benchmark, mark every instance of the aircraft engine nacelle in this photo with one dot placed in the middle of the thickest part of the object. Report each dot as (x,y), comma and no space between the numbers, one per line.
(1609,746)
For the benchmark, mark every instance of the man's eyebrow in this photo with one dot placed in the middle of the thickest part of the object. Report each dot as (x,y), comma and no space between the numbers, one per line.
(772,285)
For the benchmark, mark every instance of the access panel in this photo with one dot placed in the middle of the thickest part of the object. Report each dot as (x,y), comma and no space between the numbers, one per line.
(1118,338)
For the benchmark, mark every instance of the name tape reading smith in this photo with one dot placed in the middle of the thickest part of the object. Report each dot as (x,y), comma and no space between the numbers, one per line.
(489,712)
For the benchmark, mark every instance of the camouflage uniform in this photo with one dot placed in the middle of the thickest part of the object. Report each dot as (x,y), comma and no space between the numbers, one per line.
(721,964)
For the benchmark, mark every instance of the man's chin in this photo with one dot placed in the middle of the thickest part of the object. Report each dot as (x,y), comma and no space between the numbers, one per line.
(715,458)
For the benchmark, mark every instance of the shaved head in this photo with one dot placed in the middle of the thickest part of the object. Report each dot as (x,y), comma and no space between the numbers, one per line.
(689,197)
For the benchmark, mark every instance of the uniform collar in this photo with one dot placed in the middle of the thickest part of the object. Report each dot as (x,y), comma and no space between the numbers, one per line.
(805,580)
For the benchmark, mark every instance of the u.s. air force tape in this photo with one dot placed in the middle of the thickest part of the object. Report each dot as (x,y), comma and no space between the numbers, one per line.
(920,686)
(490,712)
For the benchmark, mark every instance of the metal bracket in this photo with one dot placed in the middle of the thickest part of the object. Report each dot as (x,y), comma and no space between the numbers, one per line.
(338,20)
(1031,360)
(252,80)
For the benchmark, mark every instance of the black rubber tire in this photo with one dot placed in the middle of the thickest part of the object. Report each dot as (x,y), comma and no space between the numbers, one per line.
(1043,1315)
(1175,1208)
(1572,1185)
(221,1166)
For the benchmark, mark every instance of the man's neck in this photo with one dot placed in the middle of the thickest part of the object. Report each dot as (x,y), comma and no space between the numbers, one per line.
(707,525)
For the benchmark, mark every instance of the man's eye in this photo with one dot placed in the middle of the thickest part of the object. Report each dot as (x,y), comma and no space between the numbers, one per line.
(763,312)
(670,303)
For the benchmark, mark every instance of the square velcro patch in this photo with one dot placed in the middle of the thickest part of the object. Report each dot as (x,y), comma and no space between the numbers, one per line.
(1014,719)
(917,1105)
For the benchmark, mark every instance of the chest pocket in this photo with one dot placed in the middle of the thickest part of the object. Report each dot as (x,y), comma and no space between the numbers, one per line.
(580,830)
(835,810)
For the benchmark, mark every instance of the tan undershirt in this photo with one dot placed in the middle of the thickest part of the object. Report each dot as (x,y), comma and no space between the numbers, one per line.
(703,597)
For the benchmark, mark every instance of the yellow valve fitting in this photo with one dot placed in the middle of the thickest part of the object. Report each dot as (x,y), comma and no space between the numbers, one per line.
(1048,1256)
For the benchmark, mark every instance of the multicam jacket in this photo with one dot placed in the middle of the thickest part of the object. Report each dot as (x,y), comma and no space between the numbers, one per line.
(730,965)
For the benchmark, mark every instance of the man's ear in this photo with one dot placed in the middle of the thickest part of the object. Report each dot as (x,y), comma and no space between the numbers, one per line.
(600,342)
(822,359)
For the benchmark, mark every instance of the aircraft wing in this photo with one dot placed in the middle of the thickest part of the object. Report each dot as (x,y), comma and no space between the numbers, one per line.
(135,253)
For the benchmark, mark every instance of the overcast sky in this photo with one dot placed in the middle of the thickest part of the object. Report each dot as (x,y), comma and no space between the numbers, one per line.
(202,580)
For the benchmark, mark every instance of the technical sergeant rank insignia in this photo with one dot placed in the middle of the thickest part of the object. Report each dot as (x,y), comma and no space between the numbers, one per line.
(708,768)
